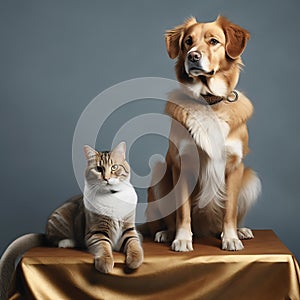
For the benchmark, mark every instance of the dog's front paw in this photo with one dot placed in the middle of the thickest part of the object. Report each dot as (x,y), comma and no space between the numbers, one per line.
(182,245)
(164,236)
(245,233)
(231,243)
(183,241)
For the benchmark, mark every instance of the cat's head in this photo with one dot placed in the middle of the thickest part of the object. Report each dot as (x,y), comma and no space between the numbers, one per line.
(108,168)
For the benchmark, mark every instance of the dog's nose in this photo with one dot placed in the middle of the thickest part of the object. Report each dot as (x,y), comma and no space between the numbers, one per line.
(194,56)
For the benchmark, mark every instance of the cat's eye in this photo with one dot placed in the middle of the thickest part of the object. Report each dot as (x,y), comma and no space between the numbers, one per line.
(114,167)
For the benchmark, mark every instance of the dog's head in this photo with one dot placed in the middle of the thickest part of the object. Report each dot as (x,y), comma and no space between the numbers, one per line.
(208,55)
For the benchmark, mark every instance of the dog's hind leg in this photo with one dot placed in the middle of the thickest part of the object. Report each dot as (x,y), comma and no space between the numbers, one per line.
(160,210)
(250,190)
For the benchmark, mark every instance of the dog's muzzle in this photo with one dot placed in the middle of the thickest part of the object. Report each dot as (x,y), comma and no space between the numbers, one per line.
(194,65)
(194,62)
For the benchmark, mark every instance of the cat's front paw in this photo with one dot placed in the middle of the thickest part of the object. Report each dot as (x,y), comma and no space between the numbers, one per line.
(104,263)
(134,255)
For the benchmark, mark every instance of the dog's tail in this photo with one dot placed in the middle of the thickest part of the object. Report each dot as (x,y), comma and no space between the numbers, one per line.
(11,255)
(250,191)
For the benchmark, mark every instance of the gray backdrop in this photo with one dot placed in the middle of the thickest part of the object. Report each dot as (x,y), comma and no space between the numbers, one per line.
(56,56)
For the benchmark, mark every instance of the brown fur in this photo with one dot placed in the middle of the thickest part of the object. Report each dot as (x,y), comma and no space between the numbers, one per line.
(219,45)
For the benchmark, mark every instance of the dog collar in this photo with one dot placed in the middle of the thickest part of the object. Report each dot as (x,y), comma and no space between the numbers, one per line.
(213,99)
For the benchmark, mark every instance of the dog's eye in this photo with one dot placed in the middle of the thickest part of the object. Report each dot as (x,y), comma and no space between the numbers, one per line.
(213,41)
(189,41)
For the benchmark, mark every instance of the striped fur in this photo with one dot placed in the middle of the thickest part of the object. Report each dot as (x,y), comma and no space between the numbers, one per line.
(103,219)
(11,256)
(83,222)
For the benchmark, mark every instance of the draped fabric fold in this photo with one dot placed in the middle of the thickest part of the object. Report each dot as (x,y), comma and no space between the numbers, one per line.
(265,269)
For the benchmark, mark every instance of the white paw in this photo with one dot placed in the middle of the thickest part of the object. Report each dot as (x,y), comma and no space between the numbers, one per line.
(231,244)
(163,236)
(183,241)
(245,233)
(66,243)
(182,245)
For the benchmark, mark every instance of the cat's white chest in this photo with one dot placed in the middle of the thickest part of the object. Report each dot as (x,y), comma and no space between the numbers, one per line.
(116,205)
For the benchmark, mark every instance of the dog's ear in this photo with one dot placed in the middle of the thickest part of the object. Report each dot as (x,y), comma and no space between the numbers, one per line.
(174,37)
(236,37)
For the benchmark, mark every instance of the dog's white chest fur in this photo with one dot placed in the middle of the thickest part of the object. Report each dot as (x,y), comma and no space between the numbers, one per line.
(210,135)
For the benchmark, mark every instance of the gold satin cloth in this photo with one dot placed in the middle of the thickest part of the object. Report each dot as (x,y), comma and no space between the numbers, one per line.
(265,269)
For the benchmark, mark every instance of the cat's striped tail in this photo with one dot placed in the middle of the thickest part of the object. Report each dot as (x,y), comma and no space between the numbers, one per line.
(10,257)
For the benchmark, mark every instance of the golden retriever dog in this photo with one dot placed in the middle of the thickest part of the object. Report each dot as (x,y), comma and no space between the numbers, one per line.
(205,188)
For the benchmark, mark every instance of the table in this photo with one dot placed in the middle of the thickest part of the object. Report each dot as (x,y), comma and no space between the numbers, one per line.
(265,269)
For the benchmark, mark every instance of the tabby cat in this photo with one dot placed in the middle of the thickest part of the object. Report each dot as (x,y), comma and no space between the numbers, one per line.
(103,219)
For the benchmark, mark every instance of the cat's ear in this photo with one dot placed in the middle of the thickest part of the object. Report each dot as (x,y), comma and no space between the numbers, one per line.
(119,151)
(89,152)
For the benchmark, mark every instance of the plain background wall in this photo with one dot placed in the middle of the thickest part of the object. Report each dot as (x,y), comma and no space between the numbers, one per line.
(56,56)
